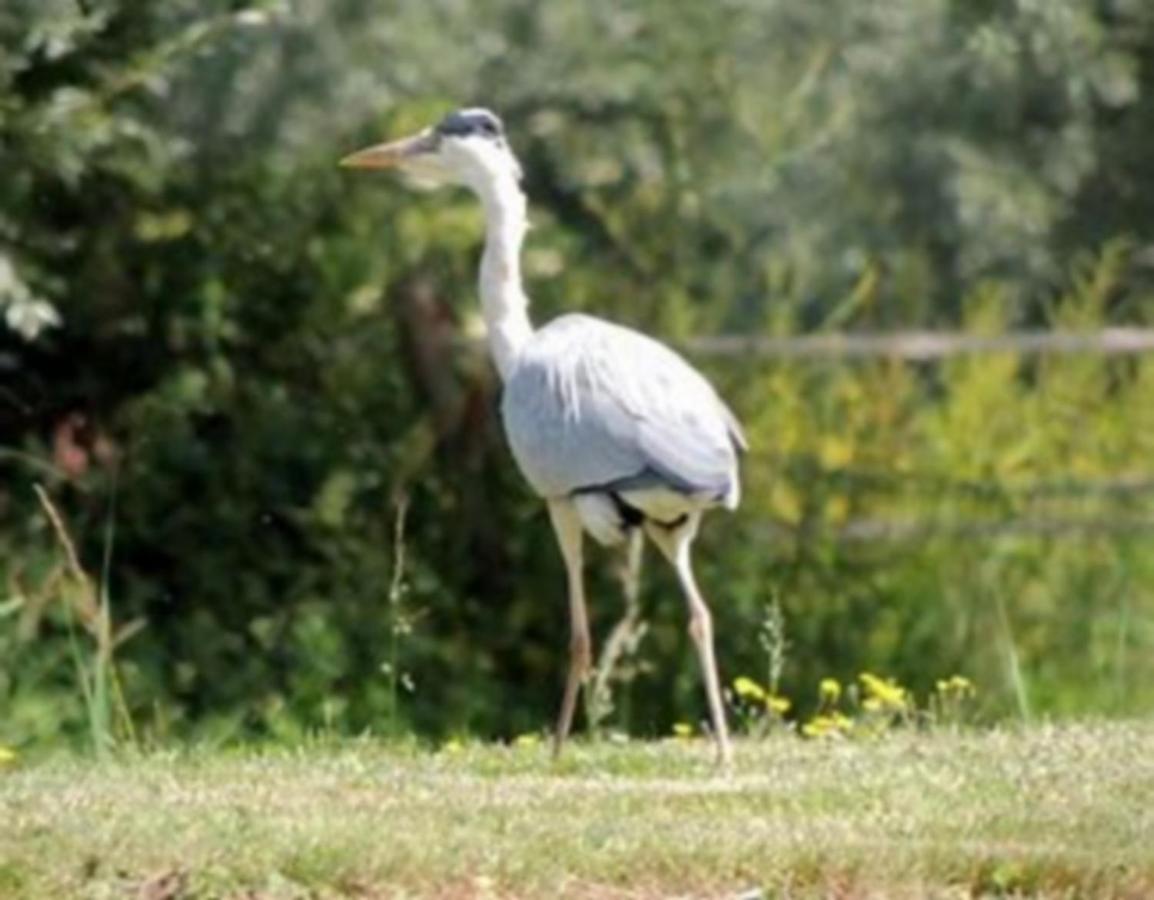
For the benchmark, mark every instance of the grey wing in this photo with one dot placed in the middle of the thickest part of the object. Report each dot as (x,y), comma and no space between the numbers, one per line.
(592,405)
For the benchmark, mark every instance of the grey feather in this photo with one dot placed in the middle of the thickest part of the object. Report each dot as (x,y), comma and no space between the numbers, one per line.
(591,405)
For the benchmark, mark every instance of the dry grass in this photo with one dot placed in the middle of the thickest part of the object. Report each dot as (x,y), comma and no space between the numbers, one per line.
(1062,811)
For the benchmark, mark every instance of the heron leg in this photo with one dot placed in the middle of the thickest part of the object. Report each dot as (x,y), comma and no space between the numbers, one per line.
(567,526)
(674,544)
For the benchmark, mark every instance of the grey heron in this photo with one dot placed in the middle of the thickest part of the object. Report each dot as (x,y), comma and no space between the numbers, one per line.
(613,429)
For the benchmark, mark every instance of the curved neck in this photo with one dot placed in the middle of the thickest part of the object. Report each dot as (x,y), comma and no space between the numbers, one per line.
(503,301)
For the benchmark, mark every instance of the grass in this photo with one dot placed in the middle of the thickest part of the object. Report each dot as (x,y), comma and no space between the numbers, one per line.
(1049,811)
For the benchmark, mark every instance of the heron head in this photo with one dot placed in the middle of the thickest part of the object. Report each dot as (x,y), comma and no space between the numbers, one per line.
(466,147)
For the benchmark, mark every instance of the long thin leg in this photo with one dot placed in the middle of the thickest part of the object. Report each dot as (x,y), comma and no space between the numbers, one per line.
(675,545)
(567,525)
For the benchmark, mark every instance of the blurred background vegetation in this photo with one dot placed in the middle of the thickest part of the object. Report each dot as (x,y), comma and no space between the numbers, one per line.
(232,366)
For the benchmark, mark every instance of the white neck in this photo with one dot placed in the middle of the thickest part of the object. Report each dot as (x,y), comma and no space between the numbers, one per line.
(503,301)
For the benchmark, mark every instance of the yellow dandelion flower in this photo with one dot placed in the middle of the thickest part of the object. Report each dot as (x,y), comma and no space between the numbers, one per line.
(777,704)
(683,730)
(960,684)
(956,685)
(748,689)
(885,690)
(816,727)
(8,756)
(830,690)
(827,725)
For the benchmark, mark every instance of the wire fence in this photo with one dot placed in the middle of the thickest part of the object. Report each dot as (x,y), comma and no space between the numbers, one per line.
(919,346)
(1119,487)
(982,509)
(914,531)
(928,346)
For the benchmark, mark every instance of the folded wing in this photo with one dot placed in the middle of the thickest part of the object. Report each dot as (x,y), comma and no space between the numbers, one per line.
(591,405)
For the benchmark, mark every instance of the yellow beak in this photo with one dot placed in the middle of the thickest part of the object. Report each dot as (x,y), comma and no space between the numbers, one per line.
(394,153)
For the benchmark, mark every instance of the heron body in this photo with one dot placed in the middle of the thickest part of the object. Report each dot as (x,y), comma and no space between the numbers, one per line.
(613,429)
(621,424)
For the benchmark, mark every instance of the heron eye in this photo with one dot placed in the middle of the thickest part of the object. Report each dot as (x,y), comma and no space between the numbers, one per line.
(489,128)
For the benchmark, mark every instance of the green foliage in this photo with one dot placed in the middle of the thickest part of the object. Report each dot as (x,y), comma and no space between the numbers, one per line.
(257,357)
(988,516)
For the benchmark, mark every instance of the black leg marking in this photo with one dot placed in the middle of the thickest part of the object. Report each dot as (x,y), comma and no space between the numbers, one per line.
(675,523)
(631,516)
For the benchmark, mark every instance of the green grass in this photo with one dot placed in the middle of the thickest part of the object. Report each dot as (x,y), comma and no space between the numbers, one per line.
(1050,811)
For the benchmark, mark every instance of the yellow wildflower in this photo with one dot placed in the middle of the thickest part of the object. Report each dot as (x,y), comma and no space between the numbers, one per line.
(886,691)
(452,746)
(8,756)
(748,689)
(872,705)
(777,704)
(683,730)
(958,685)
(827,725)
(527,740)
(830,690)
(815,727)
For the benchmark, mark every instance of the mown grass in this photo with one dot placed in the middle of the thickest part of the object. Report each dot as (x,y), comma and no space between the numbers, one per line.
(1051,811)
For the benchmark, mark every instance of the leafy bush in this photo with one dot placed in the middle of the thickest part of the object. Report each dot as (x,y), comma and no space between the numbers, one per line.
(257,358)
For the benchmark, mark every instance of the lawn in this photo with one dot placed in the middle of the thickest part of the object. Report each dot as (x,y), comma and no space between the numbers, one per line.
(1064,811)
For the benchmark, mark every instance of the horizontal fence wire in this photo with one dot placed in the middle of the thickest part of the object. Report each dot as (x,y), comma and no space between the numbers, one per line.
(1121,506)
(807,466)
(924,346)
(917,346)
(911,531)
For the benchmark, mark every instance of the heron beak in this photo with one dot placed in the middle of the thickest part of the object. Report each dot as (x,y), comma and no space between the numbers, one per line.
(394,153)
